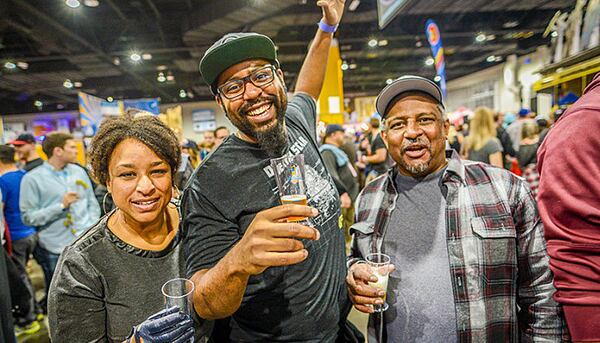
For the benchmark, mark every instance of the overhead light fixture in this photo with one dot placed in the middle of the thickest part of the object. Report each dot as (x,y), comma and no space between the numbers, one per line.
(23,65)
(382,42)
(60,106)
(135,57)
(388,81)
(161,77)
(182,93)
(73,3)
(91,3)
(352,66)
(10,65)
(418,44)
(554,34)
(372,43)
(490,37)
(491,58)
(146,57)
(68,84)
(116,61)
(353,5)
(344,66)
(481,37)
(170,77)
(437,78)
(498,59)
(190,95)
(77,84)
(510,24)
(429,61)
(38,103)
(110,99)
(161,67)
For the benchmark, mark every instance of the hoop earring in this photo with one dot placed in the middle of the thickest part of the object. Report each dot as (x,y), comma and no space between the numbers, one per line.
(104,202)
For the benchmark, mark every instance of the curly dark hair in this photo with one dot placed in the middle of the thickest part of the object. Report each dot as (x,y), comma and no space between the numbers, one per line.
(147,129)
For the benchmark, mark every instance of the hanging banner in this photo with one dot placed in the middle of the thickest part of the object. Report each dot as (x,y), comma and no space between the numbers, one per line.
(437,51)
(93,109)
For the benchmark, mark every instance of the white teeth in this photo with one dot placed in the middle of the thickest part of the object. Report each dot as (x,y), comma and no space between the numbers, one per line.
(145,202)
(259,110)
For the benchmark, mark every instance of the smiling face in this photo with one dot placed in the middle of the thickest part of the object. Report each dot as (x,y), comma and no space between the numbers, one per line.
(415,135)
(140,182)
(257,112)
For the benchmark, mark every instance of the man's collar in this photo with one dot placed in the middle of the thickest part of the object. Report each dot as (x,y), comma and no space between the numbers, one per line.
(455,167)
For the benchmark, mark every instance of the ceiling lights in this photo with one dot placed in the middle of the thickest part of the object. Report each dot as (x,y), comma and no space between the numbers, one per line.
(429,61)
(91,3)
(437,78)
(10,65)
(73,3)
(493,58)
(388,81)
(353,5)
(344,66)
(135,57)
(372,43)
(68,84)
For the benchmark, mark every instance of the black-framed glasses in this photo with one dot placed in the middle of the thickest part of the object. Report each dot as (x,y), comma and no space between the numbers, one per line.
(260,77)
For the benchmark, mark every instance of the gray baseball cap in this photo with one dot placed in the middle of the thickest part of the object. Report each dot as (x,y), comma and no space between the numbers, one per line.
(403,84)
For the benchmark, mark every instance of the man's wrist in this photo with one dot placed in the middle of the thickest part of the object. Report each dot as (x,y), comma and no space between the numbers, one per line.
(323,26)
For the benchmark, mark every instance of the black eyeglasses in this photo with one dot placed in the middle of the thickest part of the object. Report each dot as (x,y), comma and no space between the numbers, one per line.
(260,77)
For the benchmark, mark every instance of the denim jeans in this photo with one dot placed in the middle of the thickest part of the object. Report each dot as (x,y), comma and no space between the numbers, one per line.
(47,261)
(22,249)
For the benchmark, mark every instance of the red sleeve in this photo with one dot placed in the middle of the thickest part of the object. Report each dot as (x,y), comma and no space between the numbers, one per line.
(569,205)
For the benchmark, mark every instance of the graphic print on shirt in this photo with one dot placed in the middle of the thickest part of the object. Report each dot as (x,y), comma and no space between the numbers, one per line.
(320,192)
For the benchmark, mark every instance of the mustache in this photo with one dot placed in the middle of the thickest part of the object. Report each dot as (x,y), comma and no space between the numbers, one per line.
(248,104)
(417,143)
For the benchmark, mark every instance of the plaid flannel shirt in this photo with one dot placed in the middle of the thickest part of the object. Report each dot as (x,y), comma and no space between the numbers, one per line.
(502,284)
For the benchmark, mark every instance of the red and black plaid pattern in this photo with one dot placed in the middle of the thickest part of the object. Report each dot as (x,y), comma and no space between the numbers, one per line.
(497,253)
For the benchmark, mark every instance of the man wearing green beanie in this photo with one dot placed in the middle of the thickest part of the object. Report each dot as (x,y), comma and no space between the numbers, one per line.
(270,279)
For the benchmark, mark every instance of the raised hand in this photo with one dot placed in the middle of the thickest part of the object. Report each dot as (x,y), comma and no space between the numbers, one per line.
(332,11)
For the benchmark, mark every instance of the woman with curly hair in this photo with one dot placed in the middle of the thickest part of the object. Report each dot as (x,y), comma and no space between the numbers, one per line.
(109,280)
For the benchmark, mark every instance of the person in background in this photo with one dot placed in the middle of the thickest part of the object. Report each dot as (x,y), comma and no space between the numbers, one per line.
(109,280)
(190,148)
(7,332)
(58,200)
(569,201)
(23,239)
(464,237)
(481,144)
(376,153)
(514,129)
(26,151)
(208,144)
(220,134)
(527,155)
(504,138)
(341,170)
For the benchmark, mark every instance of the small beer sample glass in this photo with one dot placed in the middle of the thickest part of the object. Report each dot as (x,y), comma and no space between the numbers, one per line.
(179,292)
(290,175)
(381,267)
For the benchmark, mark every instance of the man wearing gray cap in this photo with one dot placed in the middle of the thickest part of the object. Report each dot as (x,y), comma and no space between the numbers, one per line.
(272,280)
(465,238)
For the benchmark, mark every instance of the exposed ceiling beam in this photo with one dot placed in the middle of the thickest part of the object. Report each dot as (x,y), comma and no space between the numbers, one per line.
(116,9)
(156,13)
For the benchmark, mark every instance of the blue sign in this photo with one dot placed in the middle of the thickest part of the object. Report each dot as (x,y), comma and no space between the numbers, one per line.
(437,51)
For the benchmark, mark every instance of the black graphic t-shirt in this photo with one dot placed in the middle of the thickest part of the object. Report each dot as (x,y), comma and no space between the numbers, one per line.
(298,303)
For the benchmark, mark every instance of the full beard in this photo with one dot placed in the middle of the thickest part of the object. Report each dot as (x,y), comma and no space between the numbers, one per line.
(273,139)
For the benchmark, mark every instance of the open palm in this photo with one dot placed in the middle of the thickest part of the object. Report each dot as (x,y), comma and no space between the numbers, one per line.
(332,10)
